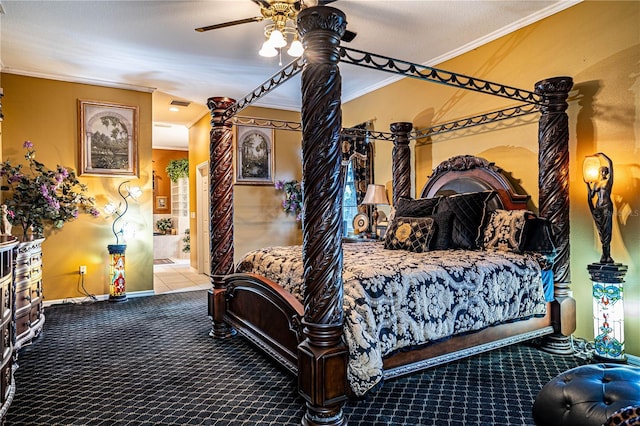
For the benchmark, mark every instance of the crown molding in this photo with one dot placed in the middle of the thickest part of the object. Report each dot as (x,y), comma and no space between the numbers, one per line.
(80,80)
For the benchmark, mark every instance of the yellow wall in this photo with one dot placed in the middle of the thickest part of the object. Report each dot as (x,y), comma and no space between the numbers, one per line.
(45,112)
(598,45)
(259,220)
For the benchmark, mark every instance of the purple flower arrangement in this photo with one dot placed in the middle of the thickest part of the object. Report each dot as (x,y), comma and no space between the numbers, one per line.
(292,202)
(42,195)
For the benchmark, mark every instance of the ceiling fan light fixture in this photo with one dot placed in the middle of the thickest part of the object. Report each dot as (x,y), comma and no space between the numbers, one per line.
(280,18)
(296,48)
(268,51)
(276,39)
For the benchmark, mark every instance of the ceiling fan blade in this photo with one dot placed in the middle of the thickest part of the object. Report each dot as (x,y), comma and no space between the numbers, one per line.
(262,3)
(348,36)
(230,23)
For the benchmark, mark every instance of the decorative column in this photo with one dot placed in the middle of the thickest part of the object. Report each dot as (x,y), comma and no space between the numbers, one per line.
(553,176)
(401,160)
(608,311)
(117,282)
(322,356)
(220,211)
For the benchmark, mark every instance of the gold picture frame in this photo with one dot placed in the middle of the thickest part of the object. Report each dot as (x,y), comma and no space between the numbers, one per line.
(107,139)
(162,202)
(254,156)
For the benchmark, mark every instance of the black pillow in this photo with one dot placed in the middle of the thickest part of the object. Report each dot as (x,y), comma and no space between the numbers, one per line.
(441,239)
(409,233)
(538,235)
(468,211)
(421,207)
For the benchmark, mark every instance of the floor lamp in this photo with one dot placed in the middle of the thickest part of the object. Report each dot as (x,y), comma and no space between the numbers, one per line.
(607,276)
(117,281)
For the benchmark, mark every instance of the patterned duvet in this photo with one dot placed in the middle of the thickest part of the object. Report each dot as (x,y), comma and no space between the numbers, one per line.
(395,299)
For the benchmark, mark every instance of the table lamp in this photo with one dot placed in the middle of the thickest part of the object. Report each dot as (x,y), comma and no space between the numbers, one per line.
(375,195)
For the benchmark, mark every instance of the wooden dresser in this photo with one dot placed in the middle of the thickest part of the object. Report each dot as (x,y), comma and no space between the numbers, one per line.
(28,284)
(7,384)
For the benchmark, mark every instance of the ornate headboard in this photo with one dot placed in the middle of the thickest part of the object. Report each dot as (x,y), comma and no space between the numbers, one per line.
(467,173)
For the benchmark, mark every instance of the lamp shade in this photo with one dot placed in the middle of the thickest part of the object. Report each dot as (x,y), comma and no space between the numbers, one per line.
(110,208)
(591,168)
(296,48)
(276,39)
(268,51)
(376,194)
(135,192)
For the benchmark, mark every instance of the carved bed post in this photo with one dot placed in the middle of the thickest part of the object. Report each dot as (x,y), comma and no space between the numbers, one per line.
(220,211)
(553,163)
(322,356)
(401,157)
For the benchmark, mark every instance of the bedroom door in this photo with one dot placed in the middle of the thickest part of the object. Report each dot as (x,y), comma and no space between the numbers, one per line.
(202,208)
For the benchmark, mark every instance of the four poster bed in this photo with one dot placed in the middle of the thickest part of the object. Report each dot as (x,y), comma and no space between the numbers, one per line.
(436,289)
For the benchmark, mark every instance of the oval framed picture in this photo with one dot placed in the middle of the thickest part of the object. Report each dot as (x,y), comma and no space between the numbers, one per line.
(360,222)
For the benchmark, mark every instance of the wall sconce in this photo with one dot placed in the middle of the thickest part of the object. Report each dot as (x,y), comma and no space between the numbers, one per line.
(606,276)
(117,282)
(376,194)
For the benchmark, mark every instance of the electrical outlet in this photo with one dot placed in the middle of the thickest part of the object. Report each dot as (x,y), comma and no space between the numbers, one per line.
(83,269)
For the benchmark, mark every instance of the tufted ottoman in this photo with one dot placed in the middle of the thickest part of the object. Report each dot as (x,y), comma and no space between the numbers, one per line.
(587,395)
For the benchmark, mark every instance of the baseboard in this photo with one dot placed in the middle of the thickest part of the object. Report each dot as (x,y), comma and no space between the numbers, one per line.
(633,360)
(94,298)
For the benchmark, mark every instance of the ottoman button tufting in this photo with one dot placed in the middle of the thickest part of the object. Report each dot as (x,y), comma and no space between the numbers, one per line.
(587,395)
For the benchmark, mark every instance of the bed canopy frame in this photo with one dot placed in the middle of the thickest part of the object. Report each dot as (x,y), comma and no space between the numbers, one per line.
(321,357)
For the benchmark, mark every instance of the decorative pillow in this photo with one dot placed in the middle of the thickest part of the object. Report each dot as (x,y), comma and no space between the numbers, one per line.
(468,216)
(421,207)
(504,230)
(441,239)
(538,236)
(409,233)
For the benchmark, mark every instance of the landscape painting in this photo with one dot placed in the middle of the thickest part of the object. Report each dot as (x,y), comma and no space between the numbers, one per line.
(107,139)
(254,156)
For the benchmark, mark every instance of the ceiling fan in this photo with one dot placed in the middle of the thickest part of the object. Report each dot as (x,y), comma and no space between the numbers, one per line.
(282,16)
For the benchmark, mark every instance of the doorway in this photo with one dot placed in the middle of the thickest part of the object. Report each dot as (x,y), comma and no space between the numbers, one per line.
(202,214)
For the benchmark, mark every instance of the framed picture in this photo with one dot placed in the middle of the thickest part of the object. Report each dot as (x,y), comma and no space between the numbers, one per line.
(254,156)
(161,202)
(107,138)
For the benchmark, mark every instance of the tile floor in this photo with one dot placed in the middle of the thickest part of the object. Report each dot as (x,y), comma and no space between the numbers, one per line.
(178,276)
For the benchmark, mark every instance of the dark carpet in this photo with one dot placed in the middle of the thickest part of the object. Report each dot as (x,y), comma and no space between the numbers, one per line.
(162,261)
(150,361)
